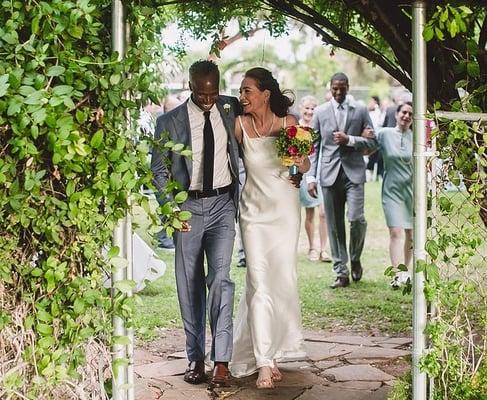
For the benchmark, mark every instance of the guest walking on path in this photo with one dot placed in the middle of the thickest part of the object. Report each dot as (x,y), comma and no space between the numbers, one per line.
(311,204)
(341,172)
(396,145)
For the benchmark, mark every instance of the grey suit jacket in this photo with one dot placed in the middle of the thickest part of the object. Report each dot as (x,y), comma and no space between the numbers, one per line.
(167,164)
(334,156)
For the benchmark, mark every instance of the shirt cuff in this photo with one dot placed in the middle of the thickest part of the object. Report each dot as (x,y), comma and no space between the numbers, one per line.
(351,141)
(310,179)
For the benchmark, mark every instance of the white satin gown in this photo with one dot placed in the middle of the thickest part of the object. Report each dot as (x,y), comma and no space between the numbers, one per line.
(268,322)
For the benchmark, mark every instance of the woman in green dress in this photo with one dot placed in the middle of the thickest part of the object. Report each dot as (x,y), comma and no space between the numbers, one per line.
(396,145)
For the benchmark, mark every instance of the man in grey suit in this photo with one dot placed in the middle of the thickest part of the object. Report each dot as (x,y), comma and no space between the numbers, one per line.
(205,123)
(340,123)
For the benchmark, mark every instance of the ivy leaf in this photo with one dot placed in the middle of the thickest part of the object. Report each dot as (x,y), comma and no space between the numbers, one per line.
(4,84)
(428,33)
(184,215)
(432,249)
(14,106)
(114,250)
(76,31)
(125,285)
(62,90)
(181,197)
(56,70)
(473,69)
(97,139)
(46,342)
(44,329)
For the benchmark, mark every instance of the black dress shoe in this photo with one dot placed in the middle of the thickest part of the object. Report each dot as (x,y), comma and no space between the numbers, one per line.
(195,373)
(341,281)
(356,271)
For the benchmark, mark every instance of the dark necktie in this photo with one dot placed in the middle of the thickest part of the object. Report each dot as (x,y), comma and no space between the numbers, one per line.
(208,153)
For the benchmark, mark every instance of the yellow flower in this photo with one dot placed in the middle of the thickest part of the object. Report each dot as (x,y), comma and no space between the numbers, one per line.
(287,161)
(303,134)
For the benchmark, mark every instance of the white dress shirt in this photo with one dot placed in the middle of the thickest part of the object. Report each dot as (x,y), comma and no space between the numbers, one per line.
(221,174)
(344,114)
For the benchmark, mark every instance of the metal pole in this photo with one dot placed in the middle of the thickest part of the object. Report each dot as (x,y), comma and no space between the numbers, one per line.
(129,331)
(130,266)
(119,351)
(420,155)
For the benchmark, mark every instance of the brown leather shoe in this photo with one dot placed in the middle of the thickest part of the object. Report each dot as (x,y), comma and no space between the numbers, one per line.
(195,373)
(340,282)
(221,375)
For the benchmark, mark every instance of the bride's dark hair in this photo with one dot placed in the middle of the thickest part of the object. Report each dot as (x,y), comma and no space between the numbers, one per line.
(279,101)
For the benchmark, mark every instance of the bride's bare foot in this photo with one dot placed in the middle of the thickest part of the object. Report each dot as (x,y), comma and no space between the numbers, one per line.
(276,374)
(264,380)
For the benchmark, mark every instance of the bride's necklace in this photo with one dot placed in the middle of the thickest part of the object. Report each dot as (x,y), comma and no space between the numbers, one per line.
(257,132)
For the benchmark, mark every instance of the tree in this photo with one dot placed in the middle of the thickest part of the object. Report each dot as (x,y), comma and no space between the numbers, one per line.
(379,31)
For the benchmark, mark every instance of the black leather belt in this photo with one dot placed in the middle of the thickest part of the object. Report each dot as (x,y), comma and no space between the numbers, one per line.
(200,194)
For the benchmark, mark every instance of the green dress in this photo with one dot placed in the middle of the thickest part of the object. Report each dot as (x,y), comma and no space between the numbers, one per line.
(397,184)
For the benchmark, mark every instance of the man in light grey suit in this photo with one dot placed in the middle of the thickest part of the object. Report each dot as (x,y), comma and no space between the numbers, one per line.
(340,123)
(205,123)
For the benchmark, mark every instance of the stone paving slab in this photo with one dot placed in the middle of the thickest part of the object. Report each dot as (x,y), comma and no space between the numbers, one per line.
(142,356)
(178,354)
(376,352)
(318,351)
(338,368)
(298,365)
(323,392)
(357,385)
(327,364)
(401,341)
(354,340)
(162,369)
(358,373)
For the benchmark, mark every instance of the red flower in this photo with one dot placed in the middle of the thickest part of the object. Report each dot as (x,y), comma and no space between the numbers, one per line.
(306,128)
(311,149)
(291,131)
(292,150)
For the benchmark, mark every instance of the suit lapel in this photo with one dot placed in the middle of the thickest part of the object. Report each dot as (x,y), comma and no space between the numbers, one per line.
(229,124)
(184,134)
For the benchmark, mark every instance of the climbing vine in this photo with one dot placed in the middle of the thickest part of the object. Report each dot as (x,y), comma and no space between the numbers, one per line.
(68,165)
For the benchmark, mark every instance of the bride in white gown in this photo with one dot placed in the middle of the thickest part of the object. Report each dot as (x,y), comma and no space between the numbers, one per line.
(268,322)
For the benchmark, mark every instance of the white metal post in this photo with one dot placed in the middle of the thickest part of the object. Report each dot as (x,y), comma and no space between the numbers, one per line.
(420,194)
(122,235)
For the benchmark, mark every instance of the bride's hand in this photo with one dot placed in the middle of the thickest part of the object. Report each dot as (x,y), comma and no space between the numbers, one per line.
(302,162)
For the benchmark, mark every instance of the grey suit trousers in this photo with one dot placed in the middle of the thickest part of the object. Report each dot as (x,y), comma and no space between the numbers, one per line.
(335,196)
(212,235)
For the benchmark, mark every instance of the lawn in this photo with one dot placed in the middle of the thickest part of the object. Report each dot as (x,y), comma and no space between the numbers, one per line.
(369,307)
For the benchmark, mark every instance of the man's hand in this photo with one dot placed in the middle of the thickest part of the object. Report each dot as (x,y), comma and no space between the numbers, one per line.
(186,227)
(340,137)
(313,190)
(296,179)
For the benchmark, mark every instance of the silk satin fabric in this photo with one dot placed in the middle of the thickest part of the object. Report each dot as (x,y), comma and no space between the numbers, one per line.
(268,321)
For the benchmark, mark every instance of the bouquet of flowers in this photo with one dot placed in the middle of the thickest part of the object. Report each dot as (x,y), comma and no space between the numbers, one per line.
(295,141)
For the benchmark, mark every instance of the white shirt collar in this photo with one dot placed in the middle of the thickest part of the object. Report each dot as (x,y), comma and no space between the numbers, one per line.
(336,103)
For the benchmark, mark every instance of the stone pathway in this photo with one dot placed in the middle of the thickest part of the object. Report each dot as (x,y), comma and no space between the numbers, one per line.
(339,367)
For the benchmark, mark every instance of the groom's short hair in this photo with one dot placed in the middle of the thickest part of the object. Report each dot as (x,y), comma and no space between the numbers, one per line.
(339,76)
(204,68)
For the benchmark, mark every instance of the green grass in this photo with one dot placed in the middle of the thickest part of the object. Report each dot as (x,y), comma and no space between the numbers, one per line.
(369,306)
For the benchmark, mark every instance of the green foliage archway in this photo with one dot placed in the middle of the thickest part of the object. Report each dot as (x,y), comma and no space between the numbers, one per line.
(68,165)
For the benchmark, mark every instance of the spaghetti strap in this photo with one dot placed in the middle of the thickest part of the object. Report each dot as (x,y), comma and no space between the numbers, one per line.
(284,123)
